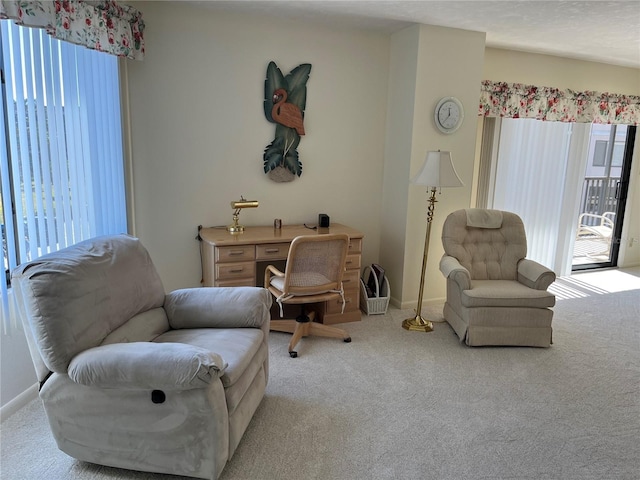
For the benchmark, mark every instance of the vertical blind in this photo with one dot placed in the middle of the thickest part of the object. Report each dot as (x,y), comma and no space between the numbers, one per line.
(62,162)
(535,151)
(539,167)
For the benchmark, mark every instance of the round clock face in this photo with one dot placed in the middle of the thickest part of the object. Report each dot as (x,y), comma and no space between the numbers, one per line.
(449,114)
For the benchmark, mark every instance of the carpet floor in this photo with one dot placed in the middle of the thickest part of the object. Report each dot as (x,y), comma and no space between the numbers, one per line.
(394,404)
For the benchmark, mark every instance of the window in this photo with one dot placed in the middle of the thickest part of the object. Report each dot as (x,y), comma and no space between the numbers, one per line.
(600,154)
(62,169)
(618,154)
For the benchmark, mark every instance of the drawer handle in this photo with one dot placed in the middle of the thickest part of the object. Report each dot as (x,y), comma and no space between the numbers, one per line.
(346,281)
(237,270)
(235,253)
(349,262)
(271,250)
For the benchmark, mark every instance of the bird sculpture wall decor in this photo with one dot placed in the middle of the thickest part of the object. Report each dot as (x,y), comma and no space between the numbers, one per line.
(285,99)
(286,114)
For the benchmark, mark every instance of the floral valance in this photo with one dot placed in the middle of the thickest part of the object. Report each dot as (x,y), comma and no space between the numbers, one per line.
(100,25)
(515,100)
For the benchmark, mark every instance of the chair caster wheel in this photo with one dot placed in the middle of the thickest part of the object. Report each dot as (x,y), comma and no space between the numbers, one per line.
(347,340)
(293,354)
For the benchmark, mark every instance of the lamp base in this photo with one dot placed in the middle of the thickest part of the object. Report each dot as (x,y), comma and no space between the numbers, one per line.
(235,229)
(417,324)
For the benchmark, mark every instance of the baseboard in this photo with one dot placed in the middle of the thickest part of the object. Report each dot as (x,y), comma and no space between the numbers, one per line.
(631,265)
(18,402)
(412,304)
(395,302)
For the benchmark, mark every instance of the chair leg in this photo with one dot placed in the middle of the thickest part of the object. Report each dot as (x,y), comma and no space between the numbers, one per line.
(303,323)
(304,326)
(302,330)
(322,330)
(286,326)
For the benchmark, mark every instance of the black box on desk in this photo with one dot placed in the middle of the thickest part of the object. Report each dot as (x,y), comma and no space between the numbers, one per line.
(323,220)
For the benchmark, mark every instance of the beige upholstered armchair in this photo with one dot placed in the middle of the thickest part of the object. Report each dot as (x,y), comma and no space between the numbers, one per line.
(133,378)
(494,295)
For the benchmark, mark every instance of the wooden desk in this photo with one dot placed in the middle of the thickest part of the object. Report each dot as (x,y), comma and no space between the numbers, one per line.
(240,260)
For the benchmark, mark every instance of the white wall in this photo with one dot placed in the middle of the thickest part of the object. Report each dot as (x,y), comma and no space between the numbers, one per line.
(549,71)
(450,65)
(16,370)
(397,163)
(199,129)
(446,62)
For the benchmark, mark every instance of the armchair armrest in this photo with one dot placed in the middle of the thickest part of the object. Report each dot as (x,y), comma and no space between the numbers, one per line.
(218,307)
(451,268)
(146,366)
(534,275)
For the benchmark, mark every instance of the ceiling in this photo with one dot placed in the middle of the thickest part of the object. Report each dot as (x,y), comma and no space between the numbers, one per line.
(601,31)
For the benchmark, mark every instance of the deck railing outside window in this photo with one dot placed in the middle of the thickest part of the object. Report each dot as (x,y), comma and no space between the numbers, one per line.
(599,195)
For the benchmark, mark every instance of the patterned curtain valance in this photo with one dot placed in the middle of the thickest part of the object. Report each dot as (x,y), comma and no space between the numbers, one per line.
(515,100)
(100,25)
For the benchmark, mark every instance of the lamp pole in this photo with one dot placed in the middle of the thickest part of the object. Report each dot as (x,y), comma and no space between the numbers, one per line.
(418,323)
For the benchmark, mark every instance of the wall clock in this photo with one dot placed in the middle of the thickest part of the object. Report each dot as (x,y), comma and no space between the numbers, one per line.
(449,114)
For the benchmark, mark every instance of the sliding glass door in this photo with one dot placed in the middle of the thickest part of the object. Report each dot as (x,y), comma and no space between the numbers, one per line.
(554,175)
(603,195)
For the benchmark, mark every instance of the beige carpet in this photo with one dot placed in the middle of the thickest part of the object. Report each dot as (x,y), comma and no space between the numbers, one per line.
(404,405)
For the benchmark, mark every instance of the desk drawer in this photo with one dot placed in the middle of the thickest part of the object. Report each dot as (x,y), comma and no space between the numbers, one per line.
(236,253)
(353,262)
(355,245)
(351,279)
(236,271)
(351,299)
(272,251)
(241,282)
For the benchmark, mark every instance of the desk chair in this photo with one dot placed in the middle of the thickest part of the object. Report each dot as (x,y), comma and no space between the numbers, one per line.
(315,265)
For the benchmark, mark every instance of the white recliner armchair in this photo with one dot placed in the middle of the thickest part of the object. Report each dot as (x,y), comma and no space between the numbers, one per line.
(133,378)
(495,296)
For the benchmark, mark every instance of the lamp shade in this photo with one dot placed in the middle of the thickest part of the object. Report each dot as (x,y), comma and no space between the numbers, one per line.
(438,171)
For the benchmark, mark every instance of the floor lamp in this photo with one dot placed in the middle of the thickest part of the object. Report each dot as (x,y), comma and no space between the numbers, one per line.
(438,171)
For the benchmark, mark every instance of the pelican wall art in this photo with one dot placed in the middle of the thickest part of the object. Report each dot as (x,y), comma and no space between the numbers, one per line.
(284,103)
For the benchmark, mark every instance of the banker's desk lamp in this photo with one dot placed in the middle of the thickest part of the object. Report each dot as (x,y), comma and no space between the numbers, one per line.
(237,206)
